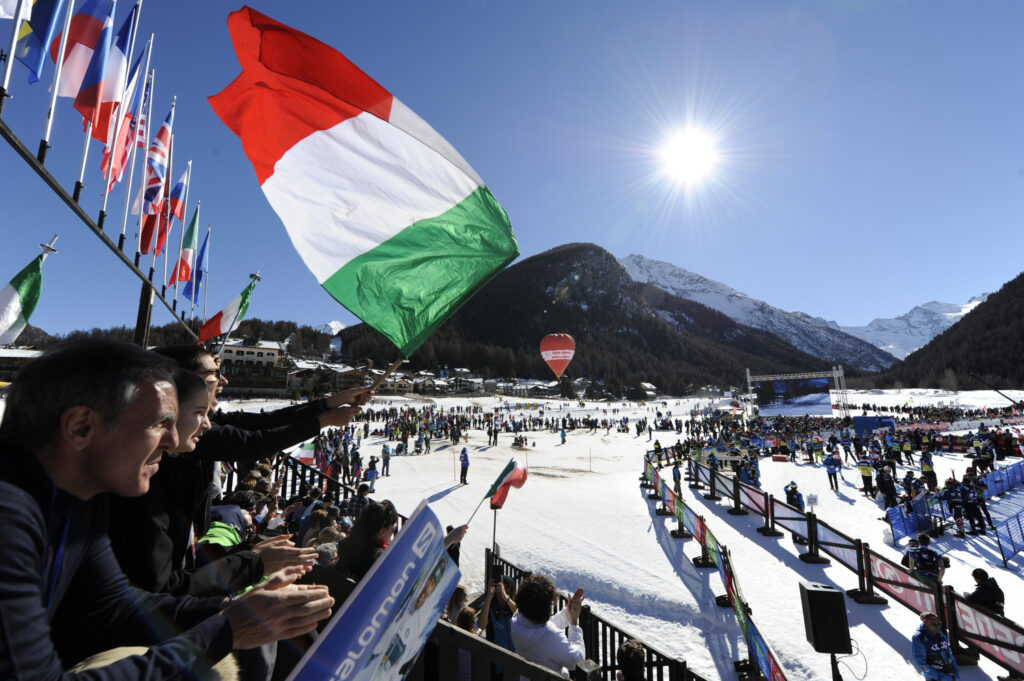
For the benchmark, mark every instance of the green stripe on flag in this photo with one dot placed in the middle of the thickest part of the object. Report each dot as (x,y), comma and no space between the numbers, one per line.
(501,478)
(29,285)
(408,285)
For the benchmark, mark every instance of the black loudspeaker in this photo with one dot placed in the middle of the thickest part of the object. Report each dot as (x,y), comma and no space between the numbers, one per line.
(825,618)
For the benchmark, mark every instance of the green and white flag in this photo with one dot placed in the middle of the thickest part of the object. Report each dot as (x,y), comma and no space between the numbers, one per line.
(230,318)
(391,220)
(18,300)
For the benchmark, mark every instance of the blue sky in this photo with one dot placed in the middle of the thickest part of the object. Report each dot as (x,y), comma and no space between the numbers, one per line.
(872,155)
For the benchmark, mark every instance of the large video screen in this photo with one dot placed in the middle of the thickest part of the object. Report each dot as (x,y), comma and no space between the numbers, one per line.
(794,397)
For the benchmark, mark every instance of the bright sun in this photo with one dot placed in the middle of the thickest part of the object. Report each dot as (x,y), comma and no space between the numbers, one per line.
(689,156)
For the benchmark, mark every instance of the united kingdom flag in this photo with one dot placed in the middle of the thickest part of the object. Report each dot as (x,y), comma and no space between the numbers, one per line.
(150,199)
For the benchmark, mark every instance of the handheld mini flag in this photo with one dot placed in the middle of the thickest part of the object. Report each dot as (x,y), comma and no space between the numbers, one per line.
(228,319)
(391,220)
(512,476)
(18,300)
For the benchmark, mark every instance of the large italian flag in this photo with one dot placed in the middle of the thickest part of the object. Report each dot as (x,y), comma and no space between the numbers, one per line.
(18,300)
(228,319)
(391,220)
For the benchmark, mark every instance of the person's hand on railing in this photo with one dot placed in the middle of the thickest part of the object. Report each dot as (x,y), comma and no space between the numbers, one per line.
(281,552)
(277,609)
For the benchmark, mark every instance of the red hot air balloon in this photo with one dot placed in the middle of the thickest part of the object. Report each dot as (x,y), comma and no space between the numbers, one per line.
(557,350)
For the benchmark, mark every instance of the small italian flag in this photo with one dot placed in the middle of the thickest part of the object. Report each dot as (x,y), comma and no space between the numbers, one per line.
(18,300)
(512,476)
(228,319)
(387,215)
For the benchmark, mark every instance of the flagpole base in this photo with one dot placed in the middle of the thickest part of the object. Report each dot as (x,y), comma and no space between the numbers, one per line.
(77,193)
(3,90)
(44,147)
(120,245)
(100,219)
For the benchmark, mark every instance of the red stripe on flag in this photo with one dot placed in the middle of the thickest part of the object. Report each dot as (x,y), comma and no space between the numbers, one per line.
(211,329)
(291,86)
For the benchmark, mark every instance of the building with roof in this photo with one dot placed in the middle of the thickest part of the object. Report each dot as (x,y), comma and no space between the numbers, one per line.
(254,366)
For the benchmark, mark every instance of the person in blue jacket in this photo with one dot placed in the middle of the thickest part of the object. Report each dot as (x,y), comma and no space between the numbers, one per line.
(464,461)
(832,465)
(930,651)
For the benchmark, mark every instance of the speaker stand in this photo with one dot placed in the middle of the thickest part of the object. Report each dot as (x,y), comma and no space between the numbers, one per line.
(836,675)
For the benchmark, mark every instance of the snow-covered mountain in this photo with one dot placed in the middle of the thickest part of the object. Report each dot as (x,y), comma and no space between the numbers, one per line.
(816,336)
(331,328)
(908,332)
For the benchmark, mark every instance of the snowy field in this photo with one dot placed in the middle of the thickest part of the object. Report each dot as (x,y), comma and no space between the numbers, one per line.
(582,519)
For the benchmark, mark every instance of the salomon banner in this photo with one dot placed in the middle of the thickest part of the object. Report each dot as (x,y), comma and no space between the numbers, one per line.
(996,637)
(383,625)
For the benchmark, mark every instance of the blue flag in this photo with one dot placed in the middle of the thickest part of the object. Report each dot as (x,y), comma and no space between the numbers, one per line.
(36,35)
(189,292)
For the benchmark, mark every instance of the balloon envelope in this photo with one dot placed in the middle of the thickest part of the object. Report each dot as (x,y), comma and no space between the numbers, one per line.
(557,350)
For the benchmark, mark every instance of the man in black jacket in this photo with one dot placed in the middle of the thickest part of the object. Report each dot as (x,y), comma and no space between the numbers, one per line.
(84,419)
(153,535)
(986,593)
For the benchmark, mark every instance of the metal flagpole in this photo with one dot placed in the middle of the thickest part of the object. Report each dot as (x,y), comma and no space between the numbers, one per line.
(181,236)
(193,290)
(206,284)
(44,143)
(77,194)
(145,166)
(119,116)
(167,211)
(9,66)
(48,248)
(134,142)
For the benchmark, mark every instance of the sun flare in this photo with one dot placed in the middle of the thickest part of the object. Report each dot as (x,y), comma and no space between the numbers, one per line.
(689,156)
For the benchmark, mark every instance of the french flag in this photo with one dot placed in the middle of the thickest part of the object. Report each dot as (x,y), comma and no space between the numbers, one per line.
(122,145)
(91,95)
(83,34)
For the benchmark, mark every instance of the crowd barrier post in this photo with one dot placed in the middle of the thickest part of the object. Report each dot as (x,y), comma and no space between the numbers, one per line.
(770,530)
(736,508)
(703,560)
(680,532)
(666,494)
(813,556)
(864,593)
(712,494)
(964,655)
(694,478)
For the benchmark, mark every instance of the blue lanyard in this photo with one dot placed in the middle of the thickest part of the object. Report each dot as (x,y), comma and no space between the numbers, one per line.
(58,559)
